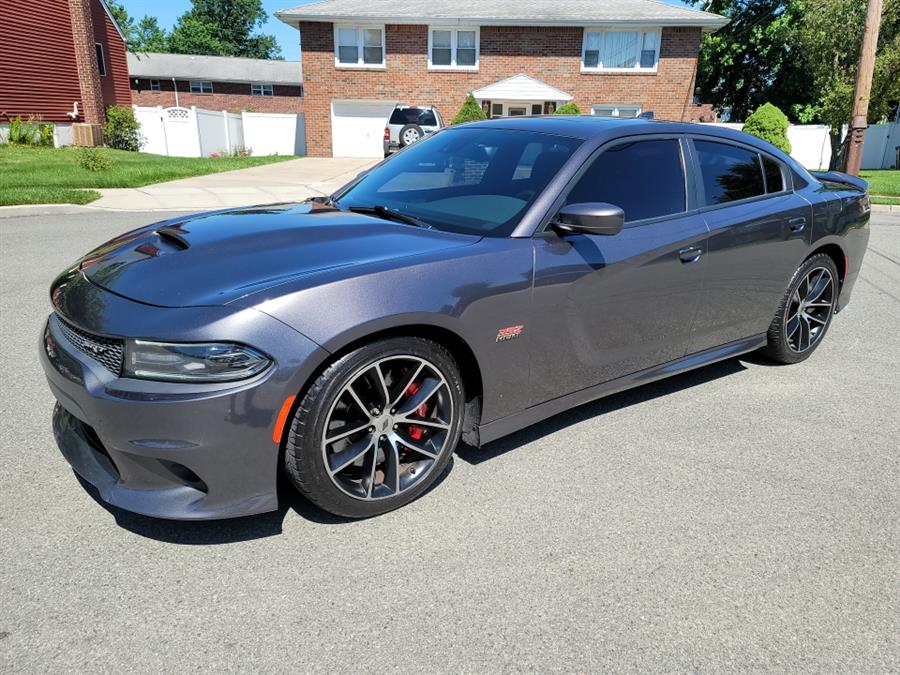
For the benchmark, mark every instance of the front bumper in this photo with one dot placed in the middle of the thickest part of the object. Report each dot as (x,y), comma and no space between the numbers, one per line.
(170,450)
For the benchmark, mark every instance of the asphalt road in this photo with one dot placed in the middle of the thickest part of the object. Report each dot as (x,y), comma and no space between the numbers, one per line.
(742,517)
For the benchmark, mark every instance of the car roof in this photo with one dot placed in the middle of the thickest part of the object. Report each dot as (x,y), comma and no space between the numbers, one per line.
(590,126)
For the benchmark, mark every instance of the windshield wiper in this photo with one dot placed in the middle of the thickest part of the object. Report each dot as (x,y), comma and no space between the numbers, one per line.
(390,214)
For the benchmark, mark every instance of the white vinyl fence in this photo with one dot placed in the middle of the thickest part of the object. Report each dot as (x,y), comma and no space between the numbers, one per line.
(811,146)
(195,132)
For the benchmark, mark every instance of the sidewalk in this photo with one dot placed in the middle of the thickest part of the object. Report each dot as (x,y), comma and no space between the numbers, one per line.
(284,181)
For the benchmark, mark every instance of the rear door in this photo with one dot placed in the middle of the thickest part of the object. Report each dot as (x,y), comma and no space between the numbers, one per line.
(759,230)
(608,306)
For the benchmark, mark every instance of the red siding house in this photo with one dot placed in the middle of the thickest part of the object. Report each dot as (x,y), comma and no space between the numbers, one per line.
(616,57)
(62,61)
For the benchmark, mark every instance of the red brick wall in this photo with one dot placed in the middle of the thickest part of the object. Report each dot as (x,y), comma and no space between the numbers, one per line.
(550,54)
(86,60)
(230,96)
(114,84)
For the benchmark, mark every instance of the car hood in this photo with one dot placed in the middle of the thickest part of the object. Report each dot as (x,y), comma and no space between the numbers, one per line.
(216,258)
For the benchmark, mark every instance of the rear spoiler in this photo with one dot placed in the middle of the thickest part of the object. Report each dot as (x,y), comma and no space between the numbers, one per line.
(838,177)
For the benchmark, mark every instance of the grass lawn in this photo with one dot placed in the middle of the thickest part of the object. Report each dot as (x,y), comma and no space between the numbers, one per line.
(884,185)
(53,175)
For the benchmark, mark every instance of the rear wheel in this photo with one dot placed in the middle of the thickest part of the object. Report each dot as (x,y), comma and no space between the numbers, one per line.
(805,312)
(377,428)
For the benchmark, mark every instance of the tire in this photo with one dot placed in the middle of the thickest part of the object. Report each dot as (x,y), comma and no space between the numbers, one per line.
(335,402)
(786,342)
(410,128)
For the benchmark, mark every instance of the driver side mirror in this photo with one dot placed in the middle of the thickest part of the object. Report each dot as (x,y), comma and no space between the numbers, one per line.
(590,218)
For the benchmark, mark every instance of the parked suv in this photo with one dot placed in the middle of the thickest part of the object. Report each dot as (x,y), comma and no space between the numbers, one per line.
(409,124)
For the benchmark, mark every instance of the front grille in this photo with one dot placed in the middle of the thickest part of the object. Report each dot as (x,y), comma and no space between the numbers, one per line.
(108,352)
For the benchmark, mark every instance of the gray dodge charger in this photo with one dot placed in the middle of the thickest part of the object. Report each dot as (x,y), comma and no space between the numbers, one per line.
(477,282)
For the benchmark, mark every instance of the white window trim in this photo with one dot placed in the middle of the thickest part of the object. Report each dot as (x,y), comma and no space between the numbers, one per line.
(453,45)
(262,86)
(615,107)
(191,83)
(360,28)
(636,69)
(101,65)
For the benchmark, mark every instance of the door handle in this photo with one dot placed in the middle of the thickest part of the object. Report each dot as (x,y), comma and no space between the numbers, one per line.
(691,254)
(797,224)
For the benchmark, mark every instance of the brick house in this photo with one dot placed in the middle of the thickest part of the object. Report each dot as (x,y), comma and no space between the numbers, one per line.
(62,61)
(216,82)
(617,57)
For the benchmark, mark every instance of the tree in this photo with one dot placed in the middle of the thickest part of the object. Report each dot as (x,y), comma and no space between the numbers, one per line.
(752,59)
(470,112)
(829,36)
(224,27)
(124,21)
(769,124)
(568,109)
(148,36)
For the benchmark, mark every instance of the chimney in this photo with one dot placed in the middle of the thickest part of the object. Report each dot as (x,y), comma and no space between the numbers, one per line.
(88,70)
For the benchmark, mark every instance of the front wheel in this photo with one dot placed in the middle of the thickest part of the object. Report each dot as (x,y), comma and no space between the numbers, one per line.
(377,428)
(805,312)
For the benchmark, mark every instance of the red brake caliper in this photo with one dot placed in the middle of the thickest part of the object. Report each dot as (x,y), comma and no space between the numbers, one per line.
(416,432)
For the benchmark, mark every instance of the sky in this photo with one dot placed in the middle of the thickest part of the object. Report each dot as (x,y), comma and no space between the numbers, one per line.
(168,11)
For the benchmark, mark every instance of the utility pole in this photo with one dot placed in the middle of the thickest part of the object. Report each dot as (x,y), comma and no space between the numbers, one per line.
(863,88)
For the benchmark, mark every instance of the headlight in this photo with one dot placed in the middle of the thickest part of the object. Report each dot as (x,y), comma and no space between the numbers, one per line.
(192,362)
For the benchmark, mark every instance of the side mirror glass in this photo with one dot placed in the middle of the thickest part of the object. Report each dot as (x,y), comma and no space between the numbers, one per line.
(590,218)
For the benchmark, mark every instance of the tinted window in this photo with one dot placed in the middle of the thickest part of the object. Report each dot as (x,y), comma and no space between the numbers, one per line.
(728,173)
(774,179)
(477,181)
(418,116)
(644,178)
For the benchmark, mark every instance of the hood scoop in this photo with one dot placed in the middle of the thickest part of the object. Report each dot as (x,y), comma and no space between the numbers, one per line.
(174,235)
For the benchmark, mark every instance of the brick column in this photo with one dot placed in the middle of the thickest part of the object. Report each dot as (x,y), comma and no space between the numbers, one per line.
(86,58)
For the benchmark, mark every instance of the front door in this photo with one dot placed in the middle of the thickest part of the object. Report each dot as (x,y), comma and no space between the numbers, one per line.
(608,306)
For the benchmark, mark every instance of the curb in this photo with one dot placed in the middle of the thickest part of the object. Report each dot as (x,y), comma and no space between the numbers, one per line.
(886,208)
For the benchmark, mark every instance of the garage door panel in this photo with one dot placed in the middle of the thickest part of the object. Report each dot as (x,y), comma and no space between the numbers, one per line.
(357,127)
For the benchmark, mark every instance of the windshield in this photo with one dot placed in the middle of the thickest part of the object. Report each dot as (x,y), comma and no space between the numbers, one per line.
(474,181)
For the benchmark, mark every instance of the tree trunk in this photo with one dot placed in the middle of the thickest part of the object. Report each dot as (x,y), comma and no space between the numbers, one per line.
(834,163)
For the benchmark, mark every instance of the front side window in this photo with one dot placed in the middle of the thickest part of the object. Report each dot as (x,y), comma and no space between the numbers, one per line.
(201,87)
(728,173)
(474,181)
(643,178)
(453,48)
(361,46)
(101,62)
(262,90)
(620,50)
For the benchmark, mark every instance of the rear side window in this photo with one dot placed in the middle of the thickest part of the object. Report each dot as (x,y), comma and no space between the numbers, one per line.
(774,178)
(728,173)
(643,178)
(420,116)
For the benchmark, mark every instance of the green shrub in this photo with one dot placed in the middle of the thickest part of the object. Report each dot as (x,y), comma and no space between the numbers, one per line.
(568,109)
(122,130)
(45,134)
(23,132)
(94,159)
(769,124)
(470,112)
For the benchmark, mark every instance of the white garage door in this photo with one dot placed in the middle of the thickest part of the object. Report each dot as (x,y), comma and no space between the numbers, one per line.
(357,127)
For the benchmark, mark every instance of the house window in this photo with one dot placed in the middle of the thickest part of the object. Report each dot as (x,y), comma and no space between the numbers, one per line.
(261,90)
(154,85)
(616,110)
(453,48)
(620,50)
(101,62)
(201,87)
(497,110)
(359,46)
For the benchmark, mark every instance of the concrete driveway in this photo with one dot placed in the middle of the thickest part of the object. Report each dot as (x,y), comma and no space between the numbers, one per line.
(740,517)
(283,181)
